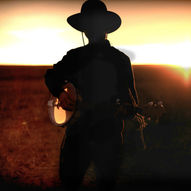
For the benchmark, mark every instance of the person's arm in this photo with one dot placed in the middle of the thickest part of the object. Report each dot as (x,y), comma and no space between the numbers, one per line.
(127,80)
(128,93)
(60,74)
(131,80)
(138,118)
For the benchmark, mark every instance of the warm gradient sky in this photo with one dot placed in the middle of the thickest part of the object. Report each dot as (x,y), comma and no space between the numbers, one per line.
(152,32)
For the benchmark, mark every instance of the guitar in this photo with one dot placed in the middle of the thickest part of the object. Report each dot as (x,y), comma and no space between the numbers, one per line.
(61,117)
(147,114)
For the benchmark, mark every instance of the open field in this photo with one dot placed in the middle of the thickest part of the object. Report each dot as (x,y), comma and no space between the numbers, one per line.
(29,143)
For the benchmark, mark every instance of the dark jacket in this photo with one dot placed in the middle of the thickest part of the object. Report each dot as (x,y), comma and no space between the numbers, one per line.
(99,71)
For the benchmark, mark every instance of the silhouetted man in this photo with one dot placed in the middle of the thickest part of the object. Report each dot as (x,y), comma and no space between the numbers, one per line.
(104,78)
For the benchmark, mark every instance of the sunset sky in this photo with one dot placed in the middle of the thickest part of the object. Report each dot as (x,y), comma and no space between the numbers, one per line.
(35,32)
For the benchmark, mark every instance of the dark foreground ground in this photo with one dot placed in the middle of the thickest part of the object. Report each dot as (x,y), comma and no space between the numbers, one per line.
(29,143)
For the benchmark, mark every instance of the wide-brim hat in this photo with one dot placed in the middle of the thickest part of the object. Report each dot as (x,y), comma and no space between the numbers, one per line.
(95,16)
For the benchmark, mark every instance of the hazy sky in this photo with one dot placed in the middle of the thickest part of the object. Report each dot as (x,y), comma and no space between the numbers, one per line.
(36,31)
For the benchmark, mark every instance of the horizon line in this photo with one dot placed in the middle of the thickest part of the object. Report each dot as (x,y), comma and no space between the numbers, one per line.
(133,64)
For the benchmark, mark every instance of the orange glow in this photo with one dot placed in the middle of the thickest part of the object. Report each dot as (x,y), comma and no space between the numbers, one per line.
(184,72)
(36,32)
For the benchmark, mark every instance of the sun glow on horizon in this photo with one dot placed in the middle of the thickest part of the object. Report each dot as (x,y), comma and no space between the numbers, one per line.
(36,33)
(186,72)
(176,54)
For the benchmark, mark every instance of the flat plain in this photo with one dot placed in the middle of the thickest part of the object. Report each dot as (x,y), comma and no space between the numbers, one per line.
(30,144)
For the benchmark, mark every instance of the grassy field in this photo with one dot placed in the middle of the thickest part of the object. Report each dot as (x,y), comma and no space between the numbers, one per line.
(29,143)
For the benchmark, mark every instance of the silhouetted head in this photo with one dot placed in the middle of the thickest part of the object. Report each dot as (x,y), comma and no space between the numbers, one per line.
(95,20)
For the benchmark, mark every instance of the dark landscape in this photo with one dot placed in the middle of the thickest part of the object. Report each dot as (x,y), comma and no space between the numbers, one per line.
(30,144)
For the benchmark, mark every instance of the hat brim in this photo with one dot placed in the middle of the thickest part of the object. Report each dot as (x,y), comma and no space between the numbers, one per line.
(107,21)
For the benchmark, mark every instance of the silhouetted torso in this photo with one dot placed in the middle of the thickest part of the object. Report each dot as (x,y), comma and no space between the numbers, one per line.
(99,71)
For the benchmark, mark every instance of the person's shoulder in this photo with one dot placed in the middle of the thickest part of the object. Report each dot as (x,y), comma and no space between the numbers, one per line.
(76,51)
(120,54)
(70,58)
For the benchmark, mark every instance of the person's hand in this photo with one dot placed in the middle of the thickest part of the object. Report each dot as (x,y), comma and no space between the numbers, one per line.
(140,120)
(67,101)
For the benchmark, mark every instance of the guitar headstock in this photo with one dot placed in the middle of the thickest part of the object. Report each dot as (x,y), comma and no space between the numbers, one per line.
(153,111)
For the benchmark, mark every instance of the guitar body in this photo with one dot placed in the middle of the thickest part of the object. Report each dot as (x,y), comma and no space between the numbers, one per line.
(58,115)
